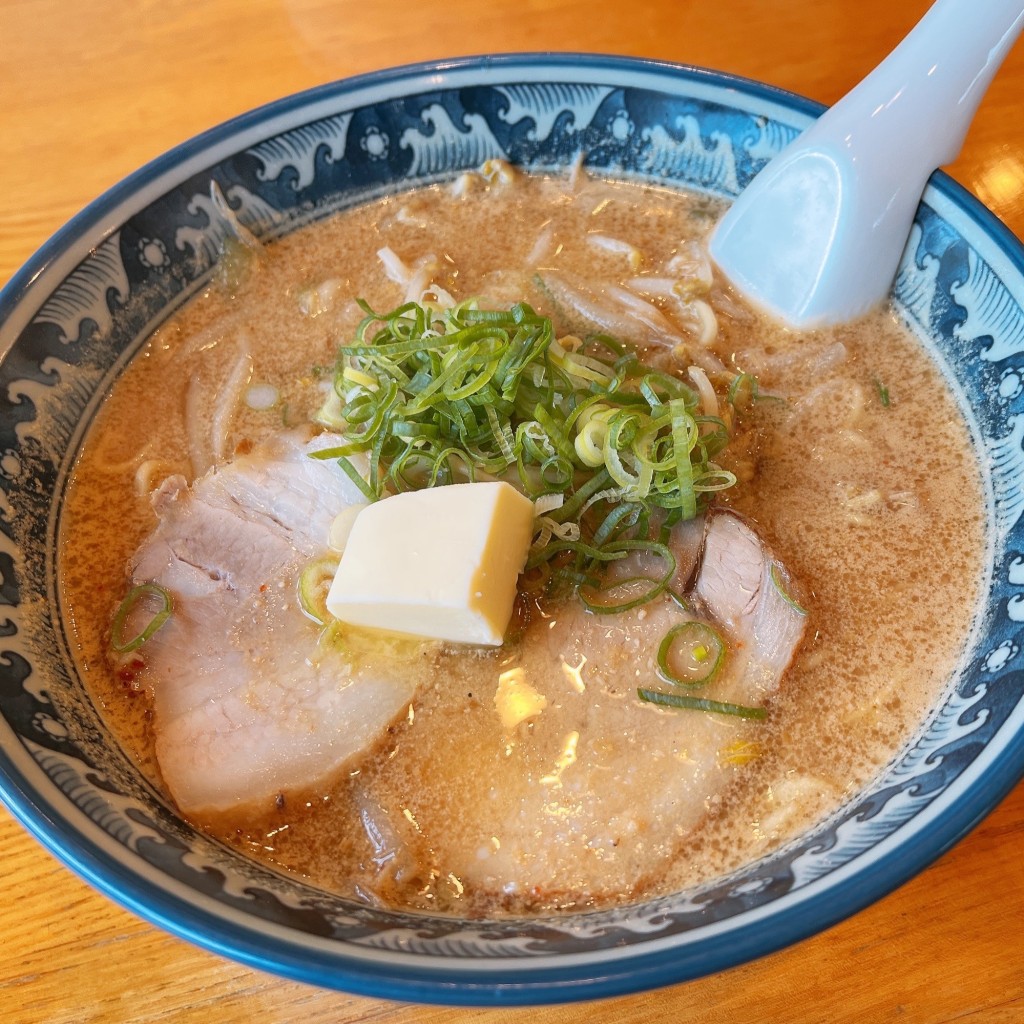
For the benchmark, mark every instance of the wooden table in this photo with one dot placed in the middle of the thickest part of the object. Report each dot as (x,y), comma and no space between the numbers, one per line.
(88,92)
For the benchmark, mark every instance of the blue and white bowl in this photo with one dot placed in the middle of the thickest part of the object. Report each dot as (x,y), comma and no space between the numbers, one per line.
(82,307)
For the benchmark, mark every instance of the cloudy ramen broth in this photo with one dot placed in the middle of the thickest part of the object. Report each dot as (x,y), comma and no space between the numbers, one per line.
(855,467)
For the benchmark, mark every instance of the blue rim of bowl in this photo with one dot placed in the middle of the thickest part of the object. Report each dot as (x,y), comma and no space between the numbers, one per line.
(528,982)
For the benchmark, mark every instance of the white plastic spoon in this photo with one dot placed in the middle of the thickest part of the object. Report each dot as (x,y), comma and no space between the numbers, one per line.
(817,236)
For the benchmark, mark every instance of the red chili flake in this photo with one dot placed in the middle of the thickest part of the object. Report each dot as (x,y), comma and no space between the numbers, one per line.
(128,671)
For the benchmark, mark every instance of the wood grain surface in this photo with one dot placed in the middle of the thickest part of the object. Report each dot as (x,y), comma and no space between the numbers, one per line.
(89,91)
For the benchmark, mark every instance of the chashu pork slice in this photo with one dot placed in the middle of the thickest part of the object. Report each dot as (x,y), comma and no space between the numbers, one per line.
(746,590)
(594,794)
(248,702)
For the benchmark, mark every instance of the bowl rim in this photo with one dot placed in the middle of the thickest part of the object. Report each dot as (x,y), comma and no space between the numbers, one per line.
(444,981)
(95,216)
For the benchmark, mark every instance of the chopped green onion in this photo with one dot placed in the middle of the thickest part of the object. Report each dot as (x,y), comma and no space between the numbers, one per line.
(776,577)
(684,436)
(314,582)
(690,654)
(687,703)
(431,395)
(132,599)
(497,386)
(742,390)
(883,393)
(633,591)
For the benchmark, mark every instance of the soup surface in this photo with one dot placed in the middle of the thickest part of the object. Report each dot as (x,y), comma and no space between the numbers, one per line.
(853,467)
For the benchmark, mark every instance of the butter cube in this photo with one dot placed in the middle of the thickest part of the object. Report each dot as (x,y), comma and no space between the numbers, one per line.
(441,563)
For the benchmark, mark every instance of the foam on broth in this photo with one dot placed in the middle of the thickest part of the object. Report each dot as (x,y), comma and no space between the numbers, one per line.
(873,505)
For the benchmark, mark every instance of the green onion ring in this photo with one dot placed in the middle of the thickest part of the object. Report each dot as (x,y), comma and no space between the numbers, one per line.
(132,598)
(702,645)
(311,581)
(657,586)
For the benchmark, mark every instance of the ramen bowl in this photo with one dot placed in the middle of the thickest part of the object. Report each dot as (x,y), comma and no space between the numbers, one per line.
(83,306)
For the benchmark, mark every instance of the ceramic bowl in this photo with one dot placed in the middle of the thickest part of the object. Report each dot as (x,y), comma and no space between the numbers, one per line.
(84,304)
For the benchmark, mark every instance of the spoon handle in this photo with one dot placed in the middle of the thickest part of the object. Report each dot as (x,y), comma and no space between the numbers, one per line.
(817,236)
(928,89)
